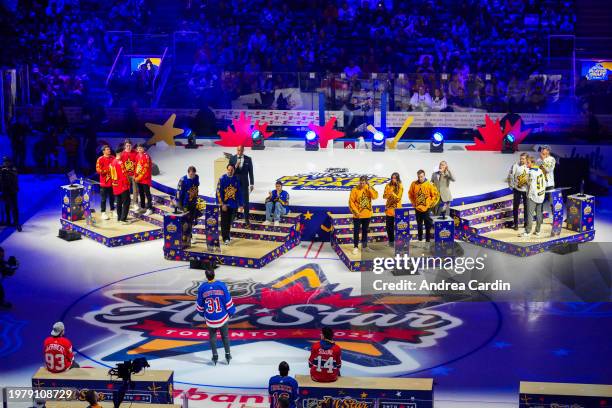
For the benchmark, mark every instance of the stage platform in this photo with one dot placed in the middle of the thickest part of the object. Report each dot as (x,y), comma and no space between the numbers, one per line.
(111,233)
(251,247)
(489,224)
(477,174)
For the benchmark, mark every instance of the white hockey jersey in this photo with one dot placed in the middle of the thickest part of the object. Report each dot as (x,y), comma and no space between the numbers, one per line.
(518,177)
(548,167)
(537,185)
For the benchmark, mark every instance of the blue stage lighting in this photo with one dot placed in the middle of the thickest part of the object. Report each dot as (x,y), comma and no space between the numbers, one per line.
(378,142)
(258,140)
(437,143)
(311,140)
(508,145)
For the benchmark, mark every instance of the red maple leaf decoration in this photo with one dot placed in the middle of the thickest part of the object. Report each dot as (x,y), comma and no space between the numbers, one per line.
(493,135)
(297,294)
(327,132)
(239,132)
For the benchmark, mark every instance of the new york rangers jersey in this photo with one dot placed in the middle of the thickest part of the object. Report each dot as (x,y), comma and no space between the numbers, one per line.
(282,387)
(537,185)
(215,303)
(325,361)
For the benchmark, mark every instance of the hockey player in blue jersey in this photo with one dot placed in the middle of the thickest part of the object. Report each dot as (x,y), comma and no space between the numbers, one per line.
(283,387)
(215,304)
(187,198)
(229,198)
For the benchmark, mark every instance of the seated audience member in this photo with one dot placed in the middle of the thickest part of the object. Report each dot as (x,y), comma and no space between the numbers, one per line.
(276,204)
(58,350)
(325,358)
(421,100)
(438,102)
(283,387)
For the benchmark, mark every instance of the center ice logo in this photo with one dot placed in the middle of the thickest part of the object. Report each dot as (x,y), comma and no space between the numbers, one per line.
(373,331)
(332,179)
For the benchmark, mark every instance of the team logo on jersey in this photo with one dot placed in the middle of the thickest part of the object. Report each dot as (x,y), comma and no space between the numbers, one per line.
(332,179)
(587,210)
(171,228)
(374,331)
(402,225)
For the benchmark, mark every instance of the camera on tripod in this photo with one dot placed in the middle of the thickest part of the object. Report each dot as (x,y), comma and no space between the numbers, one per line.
(124,371)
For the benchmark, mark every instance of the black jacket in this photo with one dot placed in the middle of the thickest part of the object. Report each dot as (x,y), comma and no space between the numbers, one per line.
(245,174)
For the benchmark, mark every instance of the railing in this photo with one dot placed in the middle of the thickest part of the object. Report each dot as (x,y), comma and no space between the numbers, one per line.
(157,89)
(110,74)
(361,93)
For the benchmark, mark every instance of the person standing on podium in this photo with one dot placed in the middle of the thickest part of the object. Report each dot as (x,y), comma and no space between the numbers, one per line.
(360,204)
(106,186)
(187,194)
(230,199)
(243,169)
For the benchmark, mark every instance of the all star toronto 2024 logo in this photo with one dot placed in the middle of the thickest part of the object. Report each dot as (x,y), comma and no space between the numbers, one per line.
(373,331)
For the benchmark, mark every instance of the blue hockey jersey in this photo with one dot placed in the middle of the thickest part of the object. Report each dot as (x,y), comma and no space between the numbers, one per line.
(229,191)
(282,387)
(215,303)
(187,191)
(282,198)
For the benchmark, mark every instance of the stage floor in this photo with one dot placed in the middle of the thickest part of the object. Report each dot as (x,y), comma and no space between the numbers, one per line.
(510,235)
(476,173)
(112,228)
(246,248)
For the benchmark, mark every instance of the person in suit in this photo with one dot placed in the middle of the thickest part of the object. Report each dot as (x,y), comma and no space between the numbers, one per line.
(243,166)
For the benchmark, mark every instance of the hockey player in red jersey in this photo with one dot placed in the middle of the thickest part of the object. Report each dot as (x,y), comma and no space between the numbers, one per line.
(325,358)
(58,350)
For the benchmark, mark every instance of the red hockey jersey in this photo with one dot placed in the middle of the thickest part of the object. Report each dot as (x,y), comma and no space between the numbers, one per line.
(119,177)
(58,354)
(103,169)
(129,162)
(143,169)
(325,361)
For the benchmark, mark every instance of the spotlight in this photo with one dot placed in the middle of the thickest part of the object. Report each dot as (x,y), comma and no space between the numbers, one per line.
(311,141)
(258,140)
(191,139)
(437,143)
(508,146)
(378,141)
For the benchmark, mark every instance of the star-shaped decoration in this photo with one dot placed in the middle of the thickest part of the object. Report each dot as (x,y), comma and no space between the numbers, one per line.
(364,394)
(561,352)
(308,215)
(327,132)
(164,133)
(341,392)
(501,345)
(398,394)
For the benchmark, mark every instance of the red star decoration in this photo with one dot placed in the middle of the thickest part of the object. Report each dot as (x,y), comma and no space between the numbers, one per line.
(493,136)
(239,132)
(327,132)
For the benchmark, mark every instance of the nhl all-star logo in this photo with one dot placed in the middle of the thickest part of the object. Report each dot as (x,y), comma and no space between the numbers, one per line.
(331,179)
(373,331)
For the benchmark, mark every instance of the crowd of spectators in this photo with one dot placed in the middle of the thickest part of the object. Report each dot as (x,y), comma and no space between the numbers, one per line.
(483,54)
(487,49)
